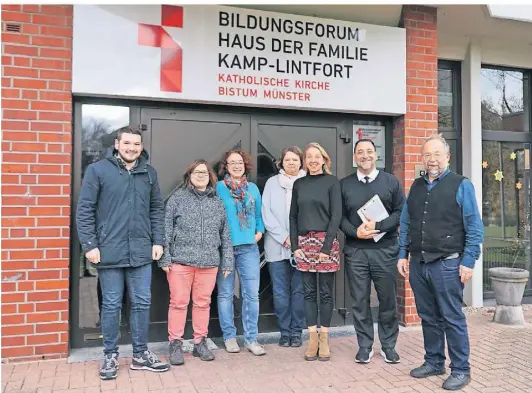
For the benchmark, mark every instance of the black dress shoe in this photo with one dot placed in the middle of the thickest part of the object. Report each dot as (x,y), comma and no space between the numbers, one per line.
(456,381)
(295,341)
(425,371)
(284,341)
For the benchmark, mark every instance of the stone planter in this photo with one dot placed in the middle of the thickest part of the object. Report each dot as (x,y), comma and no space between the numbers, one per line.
(509,286)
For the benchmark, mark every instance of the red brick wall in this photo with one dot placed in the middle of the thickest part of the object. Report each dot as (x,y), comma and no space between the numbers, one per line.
(421,118)
(36,179)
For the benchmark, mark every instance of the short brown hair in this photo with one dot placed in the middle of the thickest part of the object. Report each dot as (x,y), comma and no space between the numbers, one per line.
(193,165)
(128,130)
(292,149)
(246,157)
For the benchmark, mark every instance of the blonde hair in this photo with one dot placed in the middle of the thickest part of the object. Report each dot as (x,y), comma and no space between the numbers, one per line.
(326,158)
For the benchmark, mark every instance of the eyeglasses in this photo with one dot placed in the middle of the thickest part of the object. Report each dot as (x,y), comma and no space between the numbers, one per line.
(233,163)
(437,155)
(200,173)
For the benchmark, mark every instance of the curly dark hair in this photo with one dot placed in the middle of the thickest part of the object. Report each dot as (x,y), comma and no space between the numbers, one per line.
(246,157)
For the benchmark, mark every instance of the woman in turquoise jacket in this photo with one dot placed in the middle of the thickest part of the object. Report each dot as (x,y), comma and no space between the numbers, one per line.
(243,207)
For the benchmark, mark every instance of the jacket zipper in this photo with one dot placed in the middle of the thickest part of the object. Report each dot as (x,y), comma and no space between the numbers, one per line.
(201,212)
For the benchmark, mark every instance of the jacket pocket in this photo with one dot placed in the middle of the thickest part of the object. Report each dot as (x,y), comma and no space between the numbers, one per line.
(101,233)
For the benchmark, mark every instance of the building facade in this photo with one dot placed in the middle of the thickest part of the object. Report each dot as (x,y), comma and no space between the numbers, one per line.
(200,80)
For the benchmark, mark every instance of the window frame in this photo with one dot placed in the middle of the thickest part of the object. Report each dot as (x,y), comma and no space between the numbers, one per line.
(454,133)
(506,135)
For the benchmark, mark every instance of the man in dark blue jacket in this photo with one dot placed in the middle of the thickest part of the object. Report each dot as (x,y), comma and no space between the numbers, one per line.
(441,230)
(120,223)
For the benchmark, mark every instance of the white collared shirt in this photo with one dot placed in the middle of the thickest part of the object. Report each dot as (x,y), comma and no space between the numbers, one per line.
(371,176)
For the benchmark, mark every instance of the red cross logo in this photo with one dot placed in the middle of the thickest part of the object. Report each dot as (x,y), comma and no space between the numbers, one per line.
(171,53)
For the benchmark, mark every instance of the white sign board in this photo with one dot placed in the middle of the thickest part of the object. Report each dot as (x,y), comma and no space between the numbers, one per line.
(227,55)
(375,133)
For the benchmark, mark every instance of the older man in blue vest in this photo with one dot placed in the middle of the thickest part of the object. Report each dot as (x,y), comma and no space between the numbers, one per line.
(441,231)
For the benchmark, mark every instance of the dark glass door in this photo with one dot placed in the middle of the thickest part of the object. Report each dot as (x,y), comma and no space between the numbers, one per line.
(174,139)
(270,135)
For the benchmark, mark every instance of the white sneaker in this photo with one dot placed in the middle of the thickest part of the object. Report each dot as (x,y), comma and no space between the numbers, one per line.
(231,346)
(255,348)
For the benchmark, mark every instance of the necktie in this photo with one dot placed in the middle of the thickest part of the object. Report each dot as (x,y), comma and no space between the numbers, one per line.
(367,179)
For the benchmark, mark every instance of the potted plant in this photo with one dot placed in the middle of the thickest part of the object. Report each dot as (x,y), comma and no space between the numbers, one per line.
(508,284)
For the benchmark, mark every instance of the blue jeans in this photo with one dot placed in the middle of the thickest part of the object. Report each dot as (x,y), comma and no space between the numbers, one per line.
(288,299)
(139,288)
(247,264)
(438,292)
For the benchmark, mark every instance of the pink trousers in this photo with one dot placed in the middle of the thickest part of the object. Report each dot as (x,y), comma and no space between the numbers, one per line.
(184,280)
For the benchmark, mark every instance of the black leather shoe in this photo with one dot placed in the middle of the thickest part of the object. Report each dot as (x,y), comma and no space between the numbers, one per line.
(295,341)
(364,355)
(425,371)
(284,341)
(456,381)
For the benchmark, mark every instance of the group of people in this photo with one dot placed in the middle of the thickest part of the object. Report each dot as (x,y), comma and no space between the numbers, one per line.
(207,233)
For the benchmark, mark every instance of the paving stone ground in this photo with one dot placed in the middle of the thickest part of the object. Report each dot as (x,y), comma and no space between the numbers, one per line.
(501,361)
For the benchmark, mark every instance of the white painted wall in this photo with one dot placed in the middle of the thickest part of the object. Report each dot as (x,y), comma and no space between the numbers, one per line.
(472,150)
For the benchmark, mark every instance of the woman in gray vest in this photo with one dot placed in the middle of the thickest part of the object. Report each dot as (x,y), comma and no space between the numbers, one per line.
(287,283)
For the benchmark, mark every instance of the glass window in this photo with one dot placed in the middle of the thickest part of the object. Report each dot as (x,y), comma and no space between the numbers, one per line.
(503,103)
(453,162)
(98,126)
(505,206)
(445,99)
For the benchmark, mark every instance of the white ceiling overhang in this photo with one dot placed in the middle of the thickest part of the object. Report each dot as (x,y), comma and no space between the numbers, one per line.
(384,15)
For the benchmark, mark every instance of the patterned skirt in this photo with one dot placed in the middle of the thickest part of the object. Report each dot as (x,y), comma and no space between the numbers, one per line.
(311,245)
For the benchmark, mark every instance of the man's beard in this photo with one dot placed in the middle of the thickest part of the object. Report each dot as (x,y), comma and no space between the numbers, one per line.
(434,172)
(126,160)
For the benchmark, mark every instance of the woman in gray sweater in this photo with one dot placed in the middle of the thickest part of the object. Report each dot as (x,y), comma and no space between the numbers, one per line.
(287,284)
(198,243)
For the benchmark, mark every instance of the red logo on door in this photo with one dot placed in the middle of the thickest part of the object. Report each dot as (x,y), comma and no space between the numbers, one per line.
(171,53)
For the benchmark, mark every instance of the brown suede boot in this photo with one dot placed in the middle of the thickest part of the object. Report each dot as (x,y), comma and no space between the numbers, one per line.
(312,350)
(324,353)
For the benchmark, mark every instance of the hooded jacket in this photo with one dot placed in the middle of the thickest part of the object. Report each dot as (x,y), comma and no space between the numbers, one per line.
(120,212)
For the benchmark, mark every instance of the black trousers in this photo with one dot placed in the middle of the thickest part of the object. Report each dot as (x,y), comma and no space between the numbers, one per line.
(380,266)
(310,291)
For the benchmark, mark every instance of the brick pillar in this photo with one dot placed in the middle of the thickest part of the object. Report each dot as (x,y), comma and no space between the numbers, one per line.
(421,118)
(36,178)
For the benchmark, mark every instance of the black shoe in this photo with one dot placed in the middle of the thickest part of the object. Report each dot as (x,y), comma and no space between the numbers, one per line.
(176,353)
(202,351)
(456,381)
(390,356)
(296,342)
(425,371)
(364,355)
(284,341)
(109,368)
(148,361)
